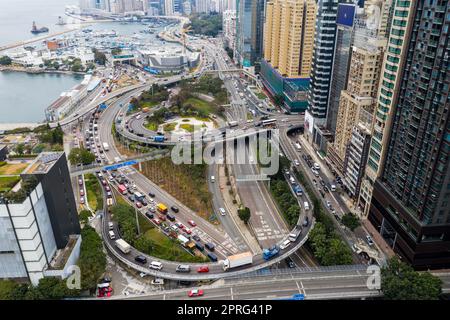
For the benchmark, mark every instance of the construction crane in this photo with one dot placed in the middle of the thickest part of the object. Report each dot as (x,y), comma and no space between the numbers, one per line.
(183,37)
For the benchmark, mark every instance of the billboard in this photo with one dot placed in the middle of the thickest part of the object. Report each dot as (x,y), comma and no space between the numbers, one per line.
(309,122)
(346,14)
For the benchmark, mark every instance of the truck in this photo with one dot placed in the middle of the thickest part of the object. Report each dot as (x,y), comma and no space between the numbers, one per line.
(161,208)
(232,124)
(123,246)
(122,189)
(238,260)
(183,240)
(293,236)
(105,146)
(298,191)
(270,252)
(158,138)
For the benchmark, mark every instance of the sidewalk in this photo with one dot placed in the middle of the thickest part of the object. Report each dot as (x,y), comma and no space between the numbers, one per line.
(232,209)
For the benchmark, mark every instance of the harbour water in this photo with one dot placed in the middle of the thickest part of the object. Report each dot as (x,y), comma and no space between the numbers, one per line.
(24,97)
(17,16)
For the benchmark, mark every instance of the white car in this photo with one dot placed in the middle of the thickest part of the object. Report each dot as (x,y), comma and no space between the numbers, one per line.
(296,162)
(285,244)
(222,211)
(315,172)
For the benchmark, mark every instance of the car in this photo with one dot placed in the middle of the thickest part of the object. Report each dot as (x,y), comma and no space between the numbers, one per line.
(131,198)
(139,204)
(80,182)
(179,225)
(140,259)
(326,189)
(196,237)
(151,194)
(107,188)
(174,227)
(144,203)
(162,217)
(157,221)
(152,209)
(82,200)
(174,209)
(203,269)
(149,215)
(188,231)
(81,192)
(289,262)
(195,293)
(222,211)
(369,240)
(322,183)
(192,223)
(296,162)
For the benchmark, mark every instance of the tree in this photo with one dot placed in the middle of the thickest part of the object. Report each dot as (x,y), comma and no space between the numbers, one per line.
(351,221)
(99,57)
(244,214)
(84,216)
(399,281)
(77,66)
(20,148)
(92,261)
(81,156)
(5,61)
(7,288)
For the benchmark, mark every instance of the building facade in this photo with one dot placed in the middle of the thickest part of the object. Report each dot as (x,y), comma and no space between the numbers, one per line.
(249,32)
(410,199)
(288,47)
(229,29)
(321,70)
(38,218)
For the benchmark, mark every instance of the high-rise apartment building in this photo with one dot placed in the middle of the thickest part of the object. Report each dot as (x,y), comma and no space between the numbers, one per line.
(249,32)
(288,48)
(38,217)
(321,70)
(229,29)
(409,156)
(168,8)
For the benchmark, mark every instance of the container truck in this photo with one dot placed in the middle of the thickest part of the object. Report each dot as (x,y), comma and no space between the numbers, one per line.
(183,240)
(270,252)
(238,260)
(105,146)
(123,246)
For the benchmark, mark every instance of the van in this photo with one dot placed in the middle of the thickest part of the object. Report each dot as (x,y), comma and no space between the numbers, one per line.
(285,244)
(333,187)
(222,211)
(110,225)
(140,259)
(306,205)
(156,265)
(213,179)
(199,246)
(183,268)
(212,257)
(210,246)
(112,236)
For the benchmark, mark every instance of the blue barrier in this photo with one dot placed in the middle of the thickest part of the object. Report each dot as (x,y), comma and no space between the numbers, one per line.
(120,165)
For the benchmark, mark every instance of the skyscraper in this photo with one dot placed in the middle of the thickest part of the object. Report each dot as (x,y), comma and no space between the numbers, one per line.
(410,151)
(322,64)
(249,32)
(288,47)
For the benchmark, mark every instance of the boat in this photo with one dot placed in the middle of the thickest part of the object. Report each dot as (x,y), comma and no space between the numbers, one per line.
(35,30)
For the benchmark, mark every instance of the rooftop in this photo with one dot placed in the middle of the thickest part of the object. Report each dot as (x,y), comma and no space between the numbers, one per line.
(43,163)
